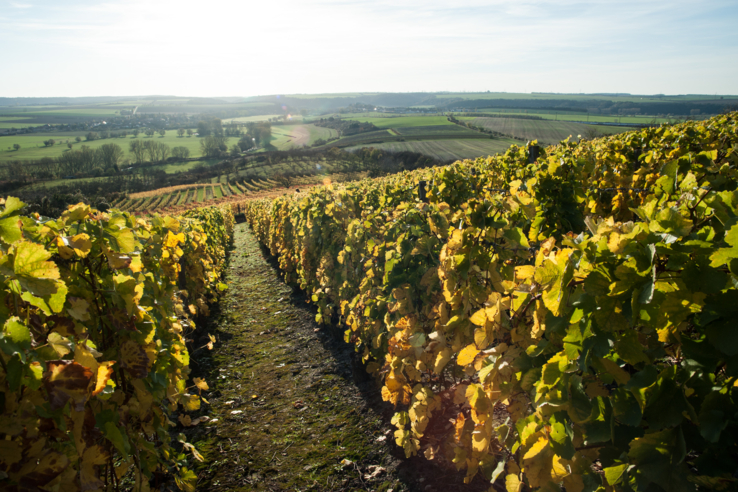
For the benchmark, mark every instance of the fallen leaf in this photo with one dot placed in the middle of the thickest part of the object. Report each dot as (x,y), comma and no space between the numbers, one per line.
(376,472)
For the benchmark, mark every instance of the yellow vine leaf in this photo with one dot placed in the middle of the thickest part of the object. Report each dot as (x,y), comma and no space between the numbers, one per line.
(513,483)
(133,359)
(104,373)
(479,318)
(76,213)
(80,309)
(467,355)
(80,244)
(66,380)
(34,272)
(118,261)
(92,457)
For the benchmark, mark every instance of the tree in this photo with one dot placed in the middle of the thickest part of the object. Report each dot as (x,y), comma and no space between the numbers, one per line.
(16,146)
(91,136)
(49,143)
(163,151)
(135,132)
(180,152)
(110,155)
(245,143)
(162,132)
(83,160)
(216,126)
(189,132)
(213,145)
(138,150)
(180,132)
(149,132)
(78,139)
(151,149)
(203,129)
(69,145)
(235,149)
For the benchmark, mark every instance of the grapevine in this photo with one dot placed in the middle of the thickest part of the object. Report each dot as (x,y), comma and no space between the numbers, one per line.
(96,309)
(562,321)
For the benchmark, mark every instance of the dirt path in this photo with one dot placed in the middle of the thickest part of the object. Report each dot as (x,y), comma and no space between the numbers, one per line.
(288,408)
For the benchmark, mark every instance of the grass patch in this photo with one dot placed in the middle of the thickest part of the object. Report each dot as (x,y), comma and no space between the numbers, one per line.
(33,148)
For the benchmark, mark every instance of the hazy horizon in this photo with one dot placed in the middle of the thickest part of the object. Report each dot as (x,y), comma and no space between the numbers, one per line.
(356,93)
(231,49)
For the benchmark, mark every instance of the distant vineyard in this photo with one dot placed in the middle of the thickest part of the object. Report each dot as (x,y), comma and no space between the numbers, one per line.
(178,199)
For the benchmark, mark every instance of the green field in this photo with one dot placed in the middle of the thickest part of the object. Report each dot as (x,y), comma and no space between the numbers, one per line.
(35,112)
(402,121)
(58,182)
(431,131)
(15,122)
(545,131)
(448,149)
(262,117)
(32,146)
(285,137)
(179,167)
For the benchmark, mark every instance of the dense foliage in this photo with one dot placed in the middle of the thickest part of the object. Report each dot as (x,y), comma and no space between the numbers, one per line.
(561,320)
(96,309)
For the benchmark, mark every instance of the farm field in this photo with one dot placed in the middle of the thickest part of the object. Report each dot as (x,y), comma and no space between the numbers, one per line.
(32,146)
(297,166)
(16,122)
(403,121)
(409,133)
(545,131)
(369,115)
(285,137)
(57,182)
(177,167)
(574,116)
(448,150)
(261,117)
(62,112)
(578,97)
(185,107)
(431,131)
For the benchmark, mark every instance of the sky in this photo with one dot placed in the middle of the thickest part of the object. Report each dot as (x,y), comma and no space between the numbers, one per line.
(244,48)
